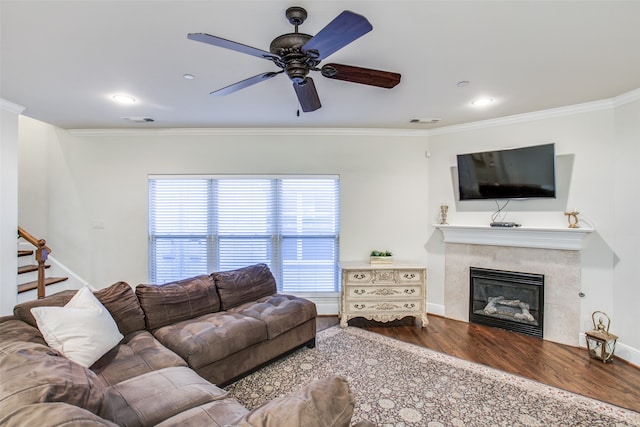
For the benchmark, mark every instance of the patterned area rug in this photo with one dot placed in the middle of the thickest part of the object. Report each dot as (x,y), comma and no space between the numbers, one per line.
(400,384)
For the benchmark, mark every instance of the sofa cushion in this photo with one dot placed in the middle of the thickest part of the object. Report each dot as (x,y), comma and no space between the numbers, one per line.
(177,301)
(83,329)
(323,403)
(23,310)
(220,413)
(244,285)
(211,337)
(137,354)
(279,312)
(122,303)
(118,298)
(17,331)
(153,397)
(53,415)
(34,373)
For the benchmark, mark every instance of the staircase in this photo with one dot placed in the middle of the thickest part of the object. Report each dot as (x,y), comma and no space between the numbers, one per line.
(33,267)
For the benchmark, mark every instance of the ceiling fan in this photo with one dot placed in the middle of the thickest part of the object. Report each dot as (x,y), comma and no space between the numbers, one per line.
(297,54)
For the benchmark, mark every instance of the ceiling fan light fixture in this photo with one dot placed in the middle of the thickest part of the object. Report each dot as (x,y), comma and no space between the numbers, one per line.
(124,99)
(482,102)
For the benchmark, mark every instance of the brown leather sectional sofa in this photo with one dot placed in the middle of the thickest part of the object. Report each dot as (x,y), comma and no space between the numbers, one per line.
(181,341)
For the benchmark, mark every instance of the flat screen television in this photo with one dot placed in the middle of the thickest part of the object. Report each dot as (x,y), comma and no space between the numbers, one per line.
(518,173)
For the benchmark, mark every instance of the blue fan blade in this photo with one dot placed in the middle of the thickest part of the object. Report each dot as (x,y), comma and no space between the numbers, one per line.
(307,95)
(244,83)
(228,44)
(344,29)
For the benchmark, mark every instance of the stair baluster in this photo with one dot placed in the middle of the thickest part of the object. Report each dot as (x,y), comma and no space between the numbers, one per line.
(41,256)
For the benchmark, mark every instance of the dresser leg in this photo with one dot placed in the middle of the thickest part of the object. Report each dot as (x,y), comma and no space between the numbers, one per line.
(343,321)
(424,320)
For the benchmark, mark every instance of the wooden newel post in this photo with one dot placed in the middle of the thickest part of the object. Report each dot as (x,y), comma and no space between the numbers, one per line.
(41,256)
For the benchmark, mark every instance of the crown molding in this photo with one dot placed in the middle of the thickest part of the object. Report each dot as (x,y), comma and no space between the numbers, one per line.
(249,131)
(11,107)
(585,107)
(626,98)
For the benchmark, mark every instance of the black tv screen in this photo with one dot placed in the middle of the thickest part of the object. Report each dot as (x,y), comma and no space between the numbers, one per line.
(517,173)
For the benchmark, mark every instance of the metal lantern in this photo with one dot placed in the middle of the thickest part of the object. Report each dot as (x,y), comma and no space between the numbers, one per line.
(600,343)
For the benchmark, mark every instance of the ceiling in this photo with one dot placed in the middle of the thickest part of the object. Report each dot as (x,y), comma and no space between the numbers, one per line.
(64,60)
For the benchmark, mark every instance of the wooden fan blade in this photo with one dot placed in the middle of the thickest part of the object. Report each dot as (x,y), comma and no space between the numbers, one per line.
(367,76)
(245,83)
(228,44)
(344,29)
(307,95)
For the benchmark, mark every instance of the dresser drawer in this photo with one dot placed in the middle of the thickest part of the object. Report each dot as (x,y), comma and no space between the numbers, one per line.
(358,277)
(353,291)
(410,276)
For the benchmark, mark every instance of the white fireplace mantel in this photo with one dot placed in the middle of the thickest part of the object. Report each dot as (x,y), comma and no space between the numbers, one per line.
(524,237)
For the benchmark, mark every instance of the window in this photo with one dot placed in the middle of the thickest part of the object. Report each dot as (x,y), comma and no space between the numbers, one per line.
(198,225)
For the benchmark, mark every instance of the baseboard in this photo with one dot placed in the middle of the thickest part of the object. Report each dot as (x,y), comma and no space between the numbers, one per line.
(437,309)
(622,351)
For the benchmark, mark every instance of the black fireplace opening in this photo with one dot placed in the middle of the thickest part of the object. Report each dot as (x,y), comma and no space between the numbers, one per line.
(508,300)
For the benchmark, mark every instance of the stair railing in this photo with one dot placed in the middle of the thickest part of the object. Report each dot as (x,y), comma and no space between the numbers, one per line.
(42,252)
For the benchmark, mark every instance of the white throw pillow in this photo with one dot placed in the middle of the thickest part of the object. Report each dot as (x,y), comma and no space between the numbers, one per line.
(83,330)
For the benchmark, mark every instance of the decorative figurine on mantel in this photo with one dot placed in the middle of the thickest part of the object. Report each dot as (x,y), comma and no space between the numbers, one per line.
(443,214)
(572,217)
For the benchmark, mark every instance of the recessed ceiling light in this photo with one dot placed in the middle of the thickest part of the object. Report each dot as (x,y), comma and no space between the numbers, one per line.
(189,76)
(482,102)
(124,99)
(139,119)
(430,120)
(463,83)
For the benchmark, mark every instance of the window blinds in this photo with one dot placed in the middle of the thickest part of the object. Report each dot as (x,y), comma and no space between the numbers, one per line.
(200,225)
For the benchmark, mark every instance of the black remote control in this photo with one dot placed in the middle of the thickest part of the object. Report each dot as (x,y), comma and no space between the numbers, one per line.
(505,224)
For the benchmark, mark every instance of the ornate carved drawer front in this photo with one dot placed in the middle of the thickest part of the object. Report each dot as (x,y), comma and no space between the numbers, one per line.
(354,291)
(383,293)
(410,276)
(360,276)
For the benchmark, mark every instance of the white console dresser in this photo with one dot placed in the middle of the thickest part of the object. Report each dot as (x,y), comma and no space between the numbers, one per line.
(383,292)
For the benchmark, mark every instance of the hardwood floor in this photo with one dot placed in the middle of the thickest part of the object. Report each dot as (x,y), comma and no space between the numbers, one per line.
(565,367)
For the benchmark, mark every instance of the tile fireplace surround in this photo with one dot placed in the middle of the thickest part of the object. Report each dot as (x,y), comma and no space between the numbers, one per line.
(480,247)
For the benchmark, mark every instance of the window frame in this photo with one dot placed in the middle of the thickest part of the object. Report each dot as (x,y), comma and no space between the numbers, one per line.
(277,237)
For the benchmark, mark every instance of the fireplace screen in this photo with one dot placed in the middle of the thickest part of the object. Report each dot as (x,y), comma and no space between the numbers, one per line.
(507,300)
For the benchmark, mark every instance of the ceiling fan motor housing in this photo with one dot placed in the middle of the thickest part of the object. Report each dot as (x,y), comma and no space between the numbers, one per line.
(295,63)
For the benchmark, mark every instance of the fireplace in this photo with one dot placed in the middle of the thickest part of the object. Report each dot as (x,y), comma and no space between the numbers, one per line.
(508,300)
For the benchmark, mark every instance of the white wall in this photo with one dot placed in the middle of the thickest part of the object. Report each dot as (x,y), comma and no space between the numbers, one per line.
(100,178)
(626,241)
(97,187)
(597,155)
(8,204)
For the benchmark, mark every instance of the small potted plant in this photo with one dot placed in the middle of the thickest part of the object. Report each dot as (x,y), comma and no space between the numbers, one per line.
(381,257)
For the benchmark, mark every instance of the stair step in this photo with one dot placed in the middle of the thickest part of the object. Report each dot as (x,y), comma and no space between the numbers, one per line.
(29,286)
(25,253)
(29,268)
